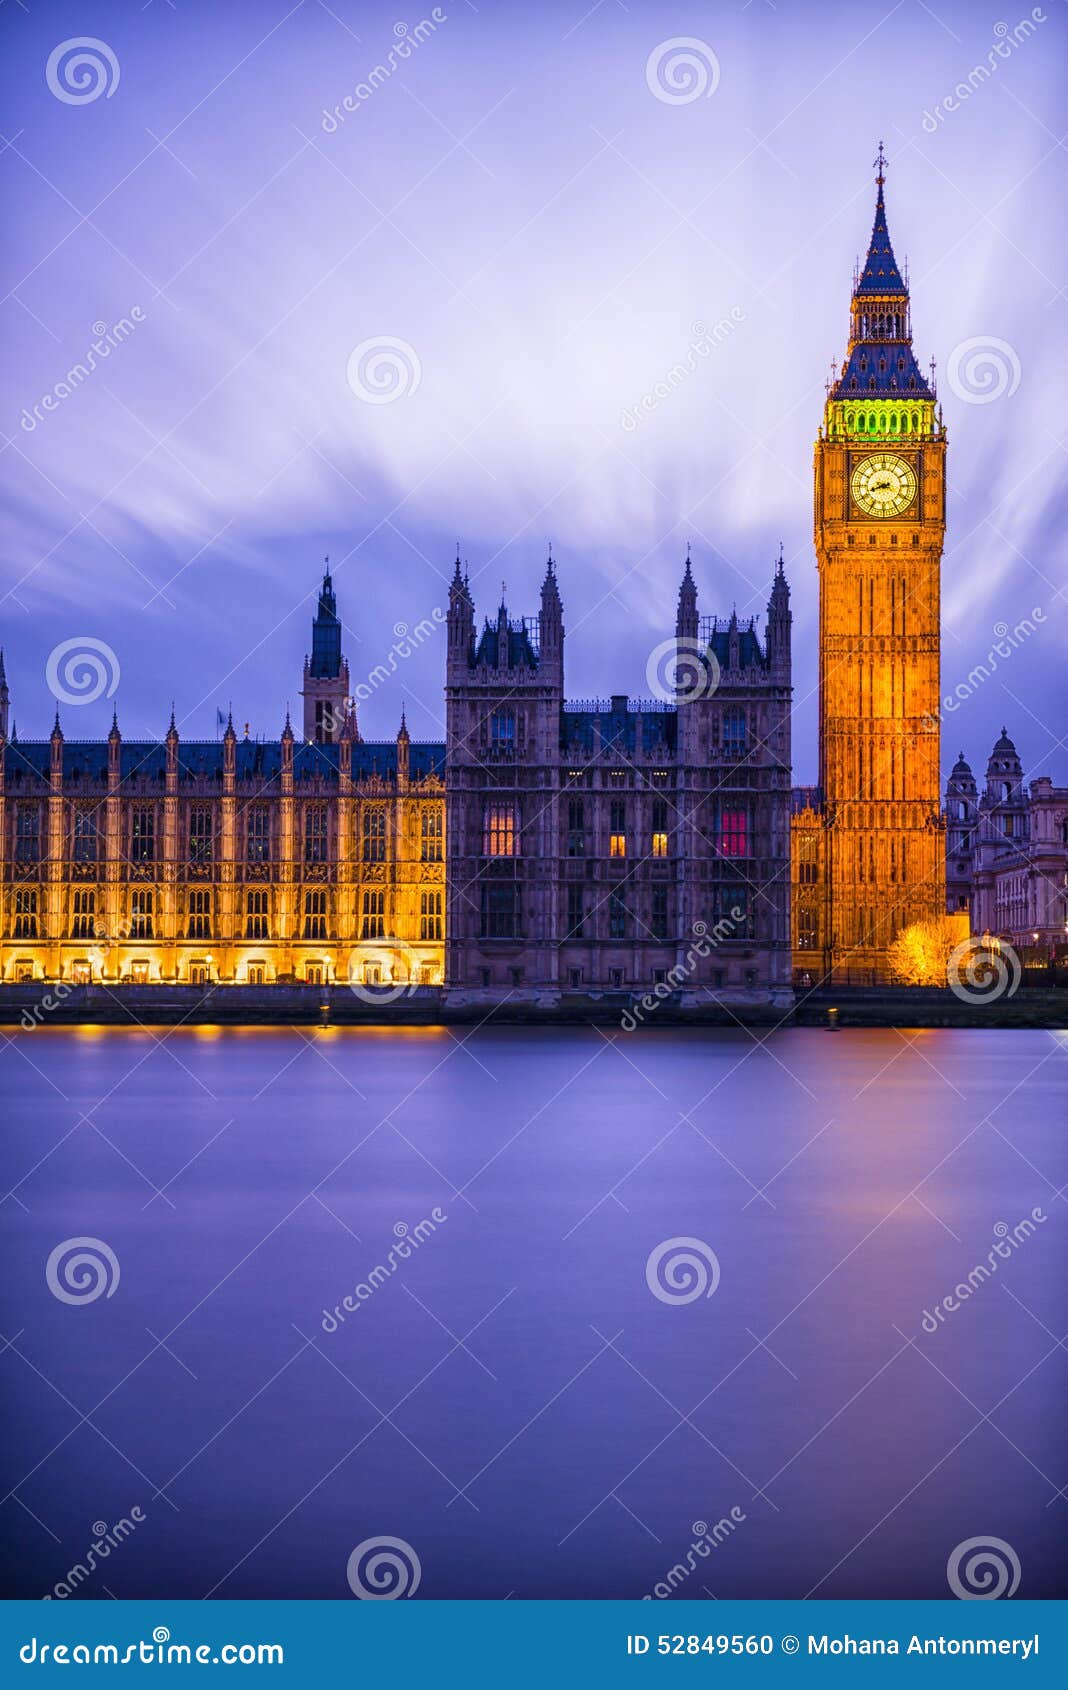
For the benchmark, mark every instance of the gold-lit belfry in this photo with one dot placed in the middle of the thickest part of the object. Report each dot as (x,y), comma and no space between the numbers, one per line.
(868,843)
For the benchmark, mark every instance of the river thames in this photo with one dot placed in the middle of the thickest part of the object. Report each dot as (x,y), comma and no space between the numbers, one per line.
(564,1312)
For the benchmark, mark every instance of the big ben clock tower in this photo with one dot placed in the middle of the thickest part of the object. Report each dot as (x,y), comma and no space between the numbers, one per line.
(879,529)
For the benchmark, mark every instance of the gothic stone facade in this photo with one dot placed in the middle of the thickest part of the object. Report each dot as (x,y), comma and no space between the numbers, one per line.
(617,845)
(545,848)
(225,860)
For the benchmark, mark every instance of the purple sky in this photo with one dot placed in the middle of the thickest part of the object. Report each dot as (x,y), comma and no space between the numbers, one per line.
(543,231)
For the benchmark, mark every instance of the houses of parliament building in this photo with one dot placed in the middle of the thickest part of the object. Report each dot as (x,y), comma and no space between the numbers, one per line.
(546,847)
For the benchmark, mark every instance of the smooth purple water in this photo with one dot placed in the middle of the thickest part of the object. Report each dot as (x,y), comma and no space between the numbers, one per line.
(535,1387)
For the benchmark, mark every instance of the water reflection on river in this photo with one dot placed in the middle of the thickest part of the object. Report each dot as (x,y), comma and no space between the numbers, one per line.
(506,1393)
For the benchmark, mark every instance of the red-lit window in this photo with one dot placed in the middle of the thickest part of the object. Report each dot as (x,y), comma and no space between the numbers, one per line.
(734,833)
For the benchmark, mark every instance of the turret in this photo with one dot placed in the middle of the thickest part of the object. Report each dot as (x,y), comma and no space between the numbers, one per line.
(5,698)
(461,618)
(114,750)
(326,674)
(403,753)
(56,744)
(551,620)
(686,623)
(780,620)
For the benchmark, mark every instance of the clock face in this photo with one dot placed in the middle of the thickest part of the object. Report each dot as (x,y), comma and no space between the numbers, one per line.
(884,484)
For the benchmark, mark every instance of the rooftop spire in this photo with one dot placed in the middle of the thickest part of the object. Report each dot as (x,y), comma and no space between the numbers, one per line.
(880,273)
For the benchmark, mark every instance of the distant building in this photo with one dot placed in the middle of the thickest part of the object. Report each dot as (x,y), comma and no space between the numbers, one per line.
(1007,851)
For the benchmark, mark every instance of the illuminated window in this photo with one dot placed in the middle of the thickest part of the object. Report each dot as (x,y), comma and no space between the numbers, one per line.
(200,834)
(617,840)
(83,916)
(499,832)
(25,913)
(141,909)
(660,838)
(430,915)
(734,833)
(807,859)
(374,915)
(315,846)
(143,834)
(85,838)
(258,834)
(807,938)
(430,834)
(374,835)
(256,915)
(315,915)
(199,921)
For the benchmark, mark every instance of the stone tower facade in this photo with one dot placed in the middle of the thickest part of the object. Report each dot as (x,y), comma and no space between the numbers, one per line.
(327,706)
(879,484)
(618,846)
